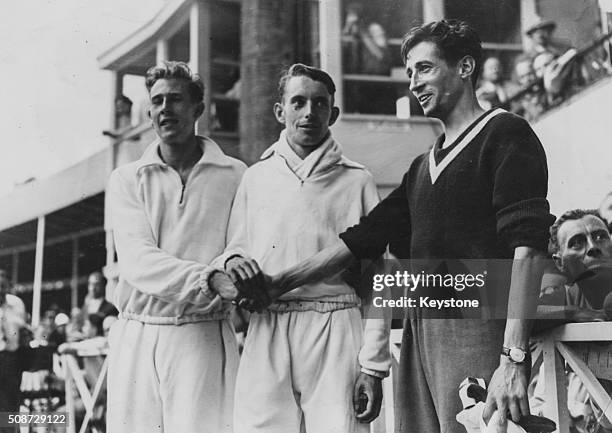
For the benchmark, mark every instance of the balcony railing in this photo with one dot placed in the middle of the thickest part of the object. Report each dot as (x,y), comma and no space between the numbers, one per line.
(563,78)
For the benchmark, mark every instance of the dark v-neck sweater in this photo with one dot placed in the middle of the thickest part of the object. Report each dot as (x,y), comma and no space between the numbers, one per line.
(489,199)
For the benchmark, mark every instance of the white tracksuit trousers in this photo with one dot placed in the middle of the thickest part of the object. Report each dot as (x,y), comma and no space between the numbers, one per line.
(297,373)
(171,378)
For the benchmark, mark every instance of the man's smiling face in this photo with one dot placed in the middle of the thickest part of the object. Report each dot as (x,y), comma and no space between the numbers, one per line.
(436,84)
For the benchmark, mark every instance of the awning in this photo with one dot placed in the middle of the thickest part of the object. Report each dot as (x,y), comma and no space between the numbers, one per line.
(136,53)
(44,196)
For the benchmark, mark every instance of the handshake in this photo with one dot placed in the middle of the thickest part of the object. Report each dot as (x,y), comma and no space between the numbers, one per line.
(244,283)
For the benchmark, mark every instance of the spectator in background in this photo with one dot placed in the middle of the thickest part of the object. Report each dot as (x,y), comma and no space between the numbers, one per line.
(123,112)
(375,55)
(555,63)
(75,326)
(123,117)
(540,62)
(41,350)
(560,75)
(365,46)
(95,301)
(366,51)
(541,36)
(351,35)
(523,68)
(532,103)
(493,91)
(581,248)
(565,74)
(93,331)
(45,328)
(58,336)
(12,320)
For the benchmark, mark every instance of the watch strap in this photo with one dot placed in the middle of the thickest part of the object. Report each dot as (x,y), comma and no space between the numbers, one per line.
(507,351)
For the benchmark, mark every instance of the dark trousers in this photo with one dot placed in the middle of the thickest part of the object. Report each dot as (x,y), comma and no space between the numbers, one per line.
(437,354)
(10,380)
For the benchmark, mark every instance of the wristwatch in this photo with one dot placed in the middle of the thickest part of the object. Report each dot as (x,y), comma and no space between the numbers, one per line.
(516,354)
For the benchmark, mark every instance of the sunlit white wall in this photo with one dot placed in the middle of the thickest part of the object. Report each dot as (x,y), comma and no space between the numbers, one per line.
(578,141)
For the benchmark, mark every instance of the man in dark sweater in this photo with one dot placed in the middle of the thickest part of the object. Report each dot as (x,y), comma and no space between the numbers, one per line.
(479,194)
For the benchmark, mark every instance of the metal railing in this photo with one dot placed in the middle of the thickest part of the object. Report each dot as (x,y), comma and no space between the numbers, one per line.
(589,65)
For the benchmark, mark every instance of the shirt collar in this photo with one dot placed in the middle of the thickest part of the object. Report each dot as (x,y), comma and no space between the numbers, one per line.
(333,153)
(211,154)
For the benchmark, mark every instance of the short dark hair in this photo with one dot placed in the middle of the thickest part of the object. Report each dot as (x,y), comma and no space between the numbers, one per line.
(454,39)
(299,70)
(574,214)
(180,71)
(99,274)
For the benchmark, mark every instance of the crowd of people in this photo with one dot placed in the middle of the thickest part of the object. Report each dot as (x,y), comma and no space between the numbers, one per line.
(32,378)
(544,76)
(198,234)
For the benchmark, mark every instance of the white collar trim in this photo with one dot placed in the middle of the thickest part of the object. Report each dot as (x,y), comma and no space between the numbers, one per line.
(436,170)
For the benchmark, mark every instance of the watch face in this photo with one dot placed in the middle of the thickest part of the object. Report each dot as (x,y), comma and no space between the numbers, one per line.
(517,355)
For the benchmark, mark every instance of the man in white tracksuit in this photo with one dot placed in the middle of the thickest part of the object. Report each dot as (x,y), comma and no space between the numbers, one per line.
(300,368)
(173,355)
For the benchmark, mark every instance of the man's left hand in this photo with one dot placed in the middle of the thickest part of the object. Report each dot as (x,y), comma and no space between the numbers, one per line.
(370,387)
(507,392)
(221,283)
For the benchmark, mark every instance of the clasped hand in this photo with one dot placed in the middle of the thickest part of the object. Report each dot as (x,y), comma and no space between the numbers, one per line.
(256,289)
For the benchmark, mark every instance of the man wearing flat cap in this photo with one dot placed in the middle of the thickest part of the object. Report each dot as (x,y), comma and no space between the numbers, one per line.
(540,34)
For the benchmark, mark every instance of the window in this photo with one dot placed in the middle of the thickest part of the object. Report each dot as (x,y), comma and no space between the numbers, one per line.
(373,71)
(372,32)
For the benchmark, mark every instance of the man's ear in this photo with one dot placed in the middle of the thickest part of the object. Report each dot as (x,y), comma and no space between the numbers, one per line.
(558,262)
(279,112)
(467,67)
(335,112)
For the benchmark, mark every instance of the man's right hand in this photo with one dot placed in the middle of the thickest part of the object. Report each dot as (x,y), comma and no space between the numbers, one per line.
(368,388)
(249,279)
(221,283)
